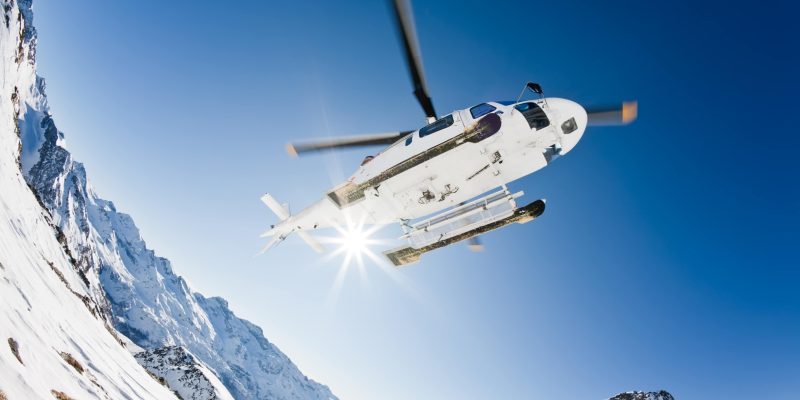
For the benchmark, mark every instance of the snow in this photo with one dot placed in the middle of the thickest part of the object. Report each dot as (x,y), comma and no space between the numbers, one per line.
(197,345)
(40,311)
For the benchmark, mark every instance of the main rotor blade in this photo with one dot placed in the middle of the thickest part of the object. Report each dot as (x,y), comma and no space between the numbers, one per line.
(475,244)
(408,38)
(294,149)
(618,115)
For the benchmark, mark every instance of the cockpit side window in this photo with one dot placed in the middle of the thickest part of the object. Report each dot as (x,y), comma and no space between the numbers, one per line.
(436,126)
(481,110)
(409,138)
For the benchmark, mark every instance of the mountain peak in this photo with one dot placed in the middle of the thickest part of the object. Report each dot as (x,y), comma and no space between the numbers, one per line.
(660,395)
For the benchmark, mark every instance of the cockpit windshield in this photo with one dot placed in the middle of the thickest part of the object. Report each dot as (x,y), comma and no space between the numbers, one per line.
(481,110)
(536,117)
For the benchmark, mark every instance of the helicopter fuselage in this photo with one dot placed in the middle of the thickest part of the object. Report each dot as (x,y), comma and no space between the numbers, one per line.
(437,182)
(530,136)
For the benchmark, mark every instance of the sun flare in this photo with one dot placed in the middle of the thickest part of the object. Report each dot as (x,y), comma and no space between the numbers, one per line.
(355,241)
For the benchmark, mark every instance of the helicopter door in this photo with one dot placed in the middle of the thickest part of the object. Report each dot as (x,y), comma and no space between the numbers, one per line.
(456,128)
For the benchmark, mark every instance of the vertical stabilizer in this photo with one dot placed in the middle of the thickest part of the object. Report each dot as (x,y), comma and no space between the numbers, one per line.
(282,212)
(279,210)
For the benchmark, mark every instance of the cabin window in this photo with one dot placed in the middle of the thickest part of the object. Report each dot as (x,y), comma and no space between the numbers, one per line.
(367,159)
(436,126)
(481,110)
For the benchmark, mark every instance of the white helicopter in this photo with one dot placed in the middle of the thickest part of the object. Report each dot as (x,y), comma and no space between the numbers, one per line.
(445,182)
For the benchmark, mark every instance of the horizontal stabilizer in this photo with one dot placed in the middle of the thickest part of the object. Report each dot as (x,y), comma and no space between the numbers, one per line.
(272,243)
(311,242)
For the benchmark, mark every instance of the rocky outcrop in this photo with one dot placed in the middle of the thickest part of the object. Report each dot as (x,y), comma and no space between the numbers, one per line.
(179,370)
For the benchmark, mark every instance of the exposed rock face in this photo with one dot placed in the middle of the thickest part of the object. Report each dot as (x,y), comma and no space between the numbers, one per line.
(125,282)
(183,373)
(660,395)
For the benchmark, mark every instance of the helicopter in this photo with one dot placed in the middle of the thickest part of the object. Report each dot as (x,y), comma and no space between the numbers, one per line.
(447,181)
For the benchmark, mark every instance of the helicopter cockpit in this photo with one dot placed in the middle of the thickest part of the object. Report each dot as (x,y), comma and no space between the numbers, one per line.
(481,110)
(536,117)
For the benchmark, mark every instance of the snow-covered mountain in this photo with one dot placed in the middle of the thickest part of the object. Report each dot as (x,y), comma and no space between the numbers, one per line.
(51,341)
(61,224)
(660,395)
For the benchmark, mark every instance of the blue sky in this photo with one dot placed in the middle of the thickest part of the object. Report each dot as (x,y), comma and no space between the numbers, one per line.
(667,257)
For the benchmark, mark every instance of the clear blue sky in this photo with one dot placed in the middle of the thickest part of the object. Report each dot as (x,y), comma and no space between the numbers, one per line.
(667,257)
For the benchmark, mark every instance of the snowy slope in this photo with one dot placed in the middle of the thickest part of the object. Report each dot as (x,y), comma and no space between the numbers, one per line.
(136,290)
(49,338)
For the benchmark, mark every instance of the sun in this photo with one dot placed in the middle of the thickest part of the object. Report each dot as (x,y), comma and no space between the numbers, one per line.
(353,243)
(355,240)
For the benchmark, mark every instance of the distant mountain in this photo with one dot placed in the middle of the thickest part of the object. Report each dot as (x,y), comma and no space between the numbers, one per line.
(660,395)
(124,284)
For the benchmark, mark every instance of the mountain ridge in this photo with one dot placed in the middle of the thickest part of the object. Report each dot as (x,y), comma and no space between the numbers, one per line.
(133,288)
(57,345)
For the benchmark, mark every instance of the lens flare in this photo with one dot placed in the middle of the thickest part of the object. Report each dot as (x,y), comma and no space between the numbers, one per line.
(355,241)
(353,244)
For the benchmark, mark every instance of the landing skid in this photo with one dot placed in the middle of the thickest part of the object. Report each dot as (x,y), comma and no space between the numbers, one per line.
(411,253)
